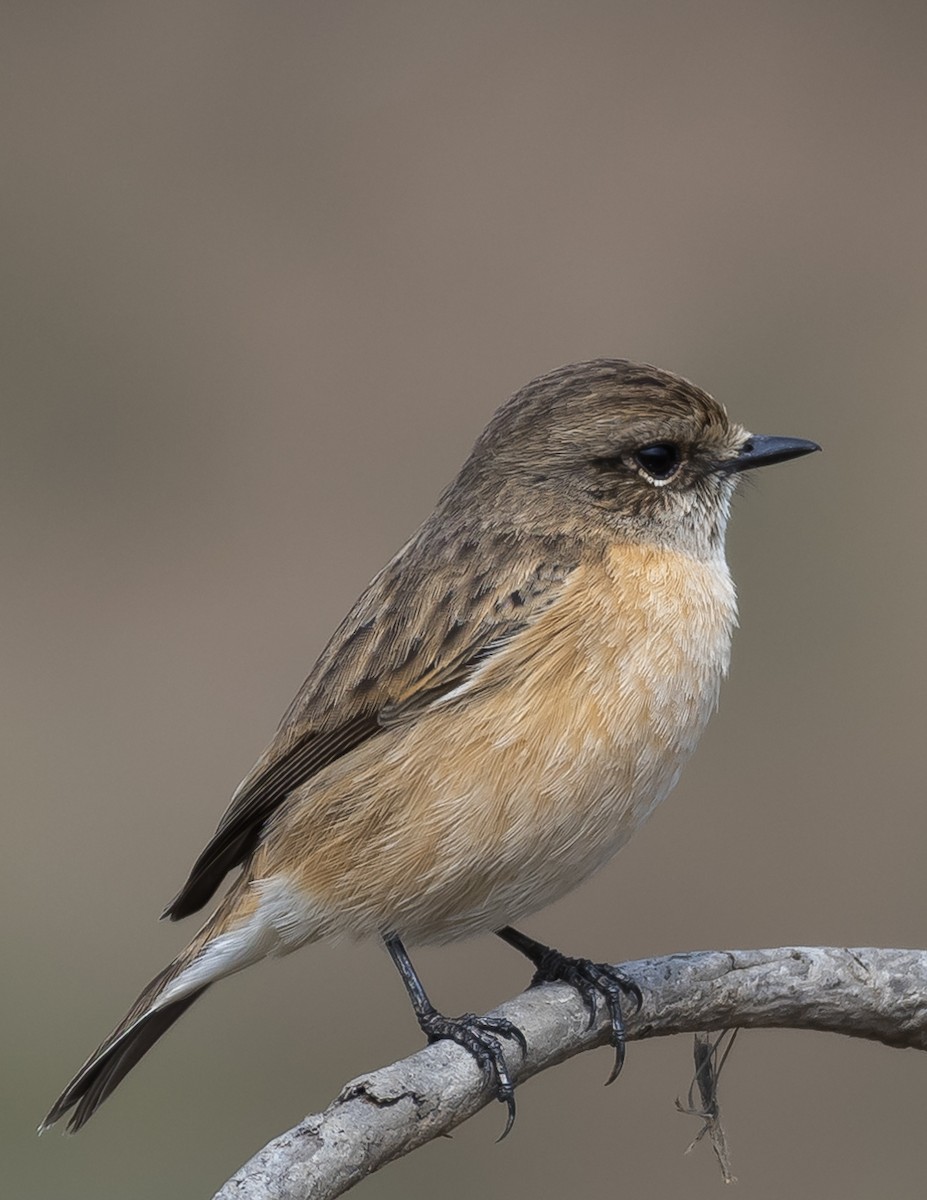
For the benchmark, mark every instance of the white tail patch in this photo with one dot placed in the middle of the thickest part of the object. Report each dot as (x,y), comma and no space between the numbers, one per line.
(282,920)
(223,955)
(294,917)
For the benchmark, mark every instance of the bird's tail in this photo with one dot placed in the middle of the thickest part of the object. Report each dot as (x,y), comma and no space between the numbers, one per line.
(225,944)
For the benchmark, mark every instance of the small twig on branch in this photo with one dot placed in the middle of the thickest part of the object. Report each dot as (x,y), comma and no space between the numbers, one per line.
(868,993)
(710,1057)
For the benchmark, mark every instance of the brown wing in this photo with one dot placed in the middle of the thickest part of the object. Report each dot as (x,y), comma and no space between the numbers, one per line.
(438,610)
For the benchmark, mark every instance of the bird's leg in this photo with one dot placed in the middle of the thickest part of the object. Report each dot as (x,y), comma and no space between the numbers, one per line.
(589,978)
(478,1035)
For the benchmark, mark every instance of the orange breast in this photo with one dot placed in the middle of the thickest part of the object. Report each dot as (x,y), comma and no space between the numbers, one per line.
(492,805)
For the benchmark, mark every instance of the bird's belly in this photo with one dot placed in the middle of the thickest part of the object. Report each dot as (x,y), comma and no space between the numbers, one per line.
(545,803)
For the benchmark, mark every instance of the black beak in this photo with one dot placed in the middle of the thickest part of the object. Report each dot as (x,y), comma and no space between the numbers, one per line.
(761,451)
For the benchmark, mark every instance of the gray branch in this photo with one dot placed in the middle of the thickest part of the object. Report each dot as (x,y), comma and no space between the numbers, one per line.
(876,994)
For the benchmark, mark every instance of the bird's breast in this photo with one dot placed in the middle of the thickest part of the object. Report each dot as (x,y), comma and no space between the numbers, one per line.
(495,803)
(600,702)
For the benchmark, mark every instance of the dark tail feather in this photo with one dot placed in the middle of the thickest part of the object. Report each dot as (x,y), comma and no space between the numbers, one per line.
(112,1062)
(147,1019)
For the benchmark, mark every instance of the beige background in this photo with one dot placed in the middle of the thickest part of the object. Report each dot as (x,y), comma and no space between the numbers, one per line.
(267,270)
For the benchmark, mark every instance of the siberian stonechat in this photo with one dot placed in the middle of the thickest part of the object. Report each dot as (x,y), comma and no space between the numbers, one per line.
(507,701)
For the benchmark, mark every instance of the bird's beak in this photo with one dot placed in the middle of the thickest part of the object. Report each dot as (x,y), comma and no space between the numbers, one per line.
(759,451)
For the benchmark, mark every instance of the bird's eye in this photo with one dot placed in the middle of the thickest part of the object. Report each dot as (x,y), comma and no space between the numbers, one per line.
(660,461)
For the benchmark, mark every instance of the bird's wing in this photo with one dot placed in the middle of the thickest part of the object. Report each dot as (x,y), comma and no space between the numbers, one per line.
(420,630)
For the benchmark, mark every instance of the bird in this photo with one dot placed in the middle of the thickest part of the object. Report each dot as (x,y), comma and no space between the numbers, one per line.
(506,703)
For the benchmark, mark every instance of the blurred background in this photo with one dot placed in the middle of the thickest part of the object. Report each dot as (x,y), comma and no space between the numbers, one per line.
(267,271)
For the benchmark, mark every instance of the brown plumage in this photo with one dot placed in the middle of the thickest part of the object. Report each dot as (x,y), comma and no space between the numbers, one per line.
(503,706)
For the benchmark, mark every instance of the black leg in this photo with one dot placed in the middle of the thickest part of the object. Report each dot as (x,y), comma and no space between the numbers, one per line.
(590,980)
(476,1034)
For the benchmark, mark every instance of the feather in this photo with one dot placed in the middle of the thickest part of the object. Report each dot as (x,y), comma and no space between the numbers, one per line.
(405,645)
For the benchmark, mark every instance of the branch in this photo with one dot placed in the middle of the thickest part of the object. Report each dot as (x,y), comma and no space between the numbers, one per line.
(869,993)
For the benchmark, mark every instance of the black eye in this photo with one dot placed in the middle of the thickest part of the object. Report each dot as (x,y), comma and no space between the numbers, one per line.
(660,461)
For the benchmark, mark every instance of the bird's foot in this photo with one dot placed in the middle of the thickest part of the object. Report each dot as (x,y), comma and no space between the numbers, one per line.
(592,980)
(480,1037)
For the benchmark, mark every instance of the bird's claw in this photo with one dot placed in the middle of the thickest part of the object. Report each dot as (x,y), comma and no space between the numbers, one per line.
(480,1037)
(593,980)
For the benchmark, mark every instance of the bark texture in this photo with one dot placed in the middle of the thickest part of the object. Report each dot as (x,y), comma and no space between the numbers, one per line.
(869,993)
